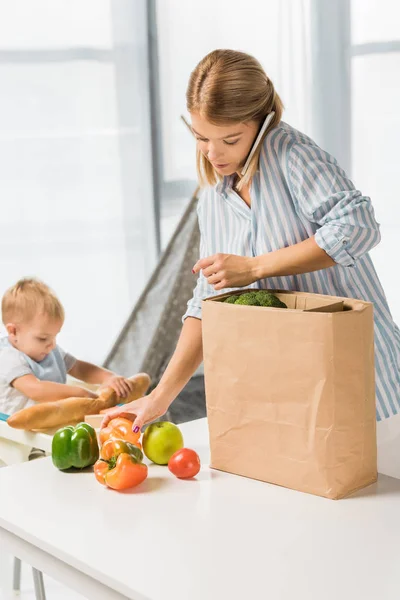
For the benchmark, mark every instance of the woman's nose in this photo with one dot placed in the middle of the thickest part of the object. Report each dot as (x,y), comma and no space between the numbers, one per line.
(213,153)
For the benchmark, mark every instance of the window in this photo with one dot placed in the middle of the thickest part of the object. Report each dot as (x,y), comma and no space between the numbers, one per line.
(375,69)
(75,156)
(278,37)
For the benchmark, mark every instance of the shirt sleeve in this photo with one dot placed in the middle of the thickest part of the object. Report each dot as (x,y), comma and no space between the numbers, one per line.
(203,289)
(13,365)
(324,194)
(68,359)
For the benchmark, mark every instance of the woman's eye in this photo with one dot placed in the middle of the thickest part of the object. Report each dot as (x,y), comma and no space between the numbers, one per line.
(231,143)
(201,140)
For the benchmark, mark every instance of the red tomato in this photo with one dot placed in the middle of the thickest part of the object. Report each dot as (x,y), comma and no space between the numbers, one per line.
(185,463)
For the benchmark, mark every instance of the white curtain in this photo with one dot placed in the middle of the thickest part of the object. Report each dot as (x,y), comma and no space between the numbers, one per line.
(276,33)
(293,78)
(75,164)
(376,126)
(306,47)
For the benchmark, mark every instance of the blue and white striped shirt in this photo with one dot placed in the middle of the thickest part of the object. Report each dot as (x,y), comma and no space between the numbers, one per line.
(300,191)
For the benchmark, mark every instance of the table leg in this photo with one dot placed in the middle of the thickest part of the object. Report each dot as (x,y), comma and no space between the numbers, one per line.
(40,593)
(17,574)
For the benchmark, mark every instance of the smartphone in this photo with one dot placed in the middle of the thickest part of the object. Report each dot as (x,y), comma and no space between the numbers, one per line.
(258,139)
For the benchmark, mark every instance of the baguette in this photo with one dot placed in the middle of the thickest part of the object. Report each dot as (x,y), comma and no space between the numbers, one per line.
(47,415)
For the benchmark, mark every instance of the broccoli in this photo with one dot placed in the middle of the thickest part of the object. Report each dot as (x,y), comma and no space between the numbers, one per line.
(248,299)
(266,299)
(256,298)
(231,299)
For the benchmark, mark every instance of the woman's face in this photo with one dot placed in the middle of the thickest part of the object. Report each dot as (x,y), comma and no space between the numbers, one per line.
(225,146)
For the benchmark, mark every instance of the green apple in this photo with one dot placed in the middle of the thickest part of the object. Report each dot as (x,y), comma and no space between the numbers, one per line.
(161,440)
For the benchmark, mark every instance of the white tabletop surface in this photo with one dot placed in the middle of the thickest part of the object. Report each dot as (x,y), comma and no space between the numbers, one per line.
(28,438)
(214,538)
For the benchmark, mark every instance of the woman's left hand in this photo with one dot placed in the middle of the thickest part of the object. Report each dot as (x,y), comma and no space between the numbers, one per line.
(227,270)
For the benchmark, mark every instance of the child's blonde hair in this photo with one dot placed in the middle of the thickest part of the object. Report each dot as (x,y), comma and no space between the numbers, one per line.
(28,298)
(231,87)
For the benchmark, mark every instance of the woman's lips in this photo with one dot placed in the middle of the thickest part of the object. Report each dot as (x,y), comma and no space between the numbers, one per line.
(218,166)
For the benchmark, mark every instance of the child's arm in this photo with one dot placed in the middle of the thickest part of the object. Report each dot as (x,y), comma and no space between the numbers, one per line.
(47,391)
(93,374)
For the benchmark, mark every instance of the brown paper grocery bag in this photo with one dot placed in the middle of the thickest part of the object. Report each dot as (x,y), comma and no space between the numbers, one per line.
(291,392)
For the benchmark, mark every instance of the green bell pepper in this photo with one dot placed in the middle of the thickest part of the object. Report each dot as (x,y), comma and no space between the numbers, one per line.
(74,447)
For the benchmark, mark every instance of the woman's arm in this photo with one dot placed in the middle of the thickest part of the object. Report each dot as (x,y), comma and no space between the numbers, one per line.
(229,270)
(184,362)
(342,218)
(303,257)
(187,357)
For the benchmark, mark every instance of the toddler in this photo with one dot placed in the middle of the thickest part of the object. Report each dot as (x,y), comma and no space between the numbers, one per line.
(33,368)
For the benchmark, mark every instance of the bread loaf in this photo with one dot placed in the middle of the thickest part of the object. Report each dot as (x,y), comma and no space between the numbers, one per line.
(47,415)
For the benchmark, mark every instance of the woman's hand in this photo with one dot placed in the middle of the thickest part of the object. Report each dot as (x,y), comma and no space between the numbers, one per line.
(142,411)
(228,270)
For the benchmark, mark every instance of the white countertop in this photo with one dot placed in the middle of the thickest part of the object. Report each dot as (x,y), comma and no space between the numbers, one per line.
(214,538)
(27,438)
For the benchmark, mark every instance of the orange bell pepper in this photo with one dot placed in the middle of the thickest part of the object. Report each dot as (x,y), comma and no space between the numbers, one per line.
(120,429)
(120,465)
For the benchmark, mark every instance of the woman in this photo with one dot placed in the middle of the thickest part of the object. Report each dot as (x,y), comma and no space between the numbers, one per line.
(293,221)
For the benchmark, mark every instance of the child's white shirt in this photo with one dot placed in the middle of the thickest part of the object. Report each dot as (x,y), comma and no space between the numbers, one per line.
(14,364)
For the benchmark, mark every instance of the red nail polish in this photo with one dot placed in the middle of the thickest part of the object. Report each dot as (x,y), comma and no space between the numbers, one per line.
(192,270)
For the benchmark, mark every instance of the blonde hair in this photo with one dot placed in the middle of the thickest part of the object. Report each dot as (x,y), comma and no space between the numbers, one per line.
(231,87)
(28,298)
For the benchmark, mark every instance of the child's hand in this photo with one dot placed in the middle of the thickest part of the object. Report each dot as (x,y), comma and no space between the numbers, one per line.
(119,384)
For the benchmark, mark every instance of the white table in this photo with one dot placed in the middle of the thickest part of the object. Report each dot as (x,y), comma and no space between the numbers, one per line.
(220,537)
(16,444)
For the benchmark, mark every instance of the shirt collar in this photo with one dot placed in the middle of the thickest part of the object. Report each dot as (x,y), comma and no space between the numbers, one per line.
(225,185)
